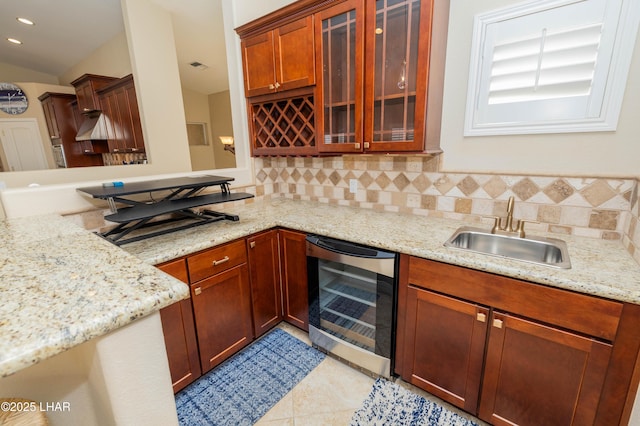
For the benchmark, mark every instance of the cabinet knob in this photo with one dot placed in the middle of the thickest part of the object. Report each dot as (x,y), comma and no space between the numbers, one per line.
(221,261)
(252,244)
(197,291)
(497,323)
(356,145)
(366,145)
(277,84)
(481,317)
(271,86)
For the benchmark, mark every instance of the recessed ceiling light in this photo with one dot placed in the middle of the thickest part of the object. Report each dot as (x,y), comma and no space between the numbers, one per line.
(14,41)
(25,21)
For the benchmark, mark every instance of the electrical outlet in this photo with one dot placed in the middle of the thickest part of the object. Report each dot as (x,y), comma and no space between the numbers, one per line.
(353,186)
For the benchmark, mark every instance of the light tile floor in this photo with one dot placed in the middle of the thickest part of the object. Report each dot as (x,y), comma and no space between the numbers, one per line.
(329,395)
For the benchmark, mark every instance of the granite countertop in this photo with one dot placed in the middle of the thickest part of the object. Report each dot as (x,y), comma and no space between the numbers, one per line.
(599,267)
(62,286)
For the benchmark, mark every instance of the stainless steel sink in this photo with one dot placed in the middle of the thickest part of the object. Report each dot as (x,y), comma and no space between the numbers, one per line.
(539,250)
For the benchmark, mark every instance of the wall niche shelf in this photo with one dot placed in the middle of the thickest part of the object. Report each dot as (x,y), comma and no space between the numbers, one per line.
(184,194)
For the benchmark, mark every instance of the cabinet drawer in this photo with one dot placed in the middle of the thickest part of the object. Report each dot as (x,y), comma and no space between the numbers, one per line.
(216,260)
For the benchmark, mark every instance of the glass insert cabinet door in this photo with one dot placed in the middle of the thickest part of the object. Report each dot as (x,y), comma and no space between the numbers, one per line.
(394,51)
(339,77)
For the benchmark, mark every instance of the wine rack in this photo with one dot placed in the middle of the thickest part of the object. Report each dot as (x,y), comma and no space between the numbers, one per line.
(284,126)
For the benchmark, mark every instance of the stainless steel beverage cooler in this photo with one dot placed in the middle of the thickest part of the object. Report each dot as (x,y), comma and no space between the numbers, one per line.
(352,302)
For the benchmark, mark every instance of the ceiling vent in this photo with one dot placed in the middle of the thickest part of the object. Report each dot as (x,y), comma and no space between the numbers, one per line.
(199,65)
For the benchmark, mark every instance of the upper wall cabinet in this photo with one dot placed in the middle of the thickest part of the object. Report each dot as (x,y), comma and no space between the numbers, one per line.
(87,87)
(379,70)
(374,75)
(280,59)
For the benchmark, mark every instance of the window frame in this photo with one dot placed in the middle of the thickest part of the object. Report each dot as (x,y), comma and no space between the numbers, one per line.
(601,107)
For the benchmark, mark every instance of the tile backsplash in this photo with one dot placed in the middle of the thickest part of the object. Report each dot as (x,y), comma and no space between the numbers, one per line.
(590,207)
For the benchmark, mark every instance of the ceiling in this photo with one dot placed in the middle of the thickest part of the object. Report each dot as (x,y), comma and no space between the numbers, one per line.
(67,31)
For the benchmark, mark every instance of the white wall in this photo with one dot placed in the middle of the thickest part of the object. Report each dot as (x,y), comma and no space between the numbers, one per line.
(248,10)
(577,154)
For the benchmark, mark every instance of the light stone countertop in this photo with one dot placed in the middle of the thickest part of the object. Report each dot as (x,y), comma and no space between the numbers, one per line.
(599,267)
(62,286)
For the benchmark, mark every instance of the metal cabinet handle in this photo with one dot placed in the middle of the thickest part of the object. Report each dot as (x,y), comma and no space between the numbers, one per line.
(197,291)
(366,145)
(481,317)
(252,244)
(497,323)
(271,86)
(277,84)
(221,261)
(356,145)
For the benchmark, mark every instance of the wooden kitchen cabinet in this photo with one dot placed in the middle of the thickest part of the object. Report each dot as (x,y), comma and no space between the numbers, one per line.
(374,75)
(266,285)
(87,86)
(179,333)
(293,260)
(221,297)
(510,351)
(119,103)
(239,291)
(447,338)
(280,59)
(61,123)
(541,375)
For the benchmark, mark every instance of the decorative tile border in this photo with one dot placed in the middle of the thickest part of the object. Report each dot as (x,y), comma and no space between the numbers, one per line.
(590,207)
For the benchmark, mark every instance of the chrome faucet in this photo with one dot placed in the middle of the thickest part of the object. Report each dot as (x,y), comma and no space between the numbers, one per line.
(507,227)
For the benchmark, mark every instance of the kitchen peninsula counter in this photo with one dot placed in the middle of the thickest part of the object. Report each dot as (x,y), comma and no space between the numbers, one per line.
(62,286)
(599,267)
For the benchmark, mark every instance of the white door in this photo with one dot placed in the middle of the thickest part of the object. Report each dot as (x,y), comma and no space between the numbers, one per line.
(22,144)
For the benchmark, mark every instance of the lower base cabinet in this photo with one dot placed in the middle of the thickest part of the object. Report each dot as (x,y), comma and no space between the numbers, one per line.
(293,260)
(266,285)
(179,333)
(541,375)
(513,352)
(221,302)
(239,291)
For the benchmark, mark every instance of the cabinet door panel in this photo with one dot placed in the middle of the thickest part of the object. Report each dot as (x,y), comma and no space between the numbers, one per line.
(180,334)
(222,309)
(295,63)
(538,375)
(258,55)
(445,341)
(294,277)
(397,54)
(339,37)
(266,293)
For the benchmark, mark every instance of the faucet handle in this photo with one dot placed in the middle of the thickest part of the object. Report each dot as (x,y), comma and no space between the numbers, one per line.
(520,227)
(496,223)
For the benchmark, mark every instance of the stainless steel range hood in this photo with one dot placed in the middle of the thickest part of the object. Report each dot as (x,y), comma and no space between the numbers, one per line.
(94,127)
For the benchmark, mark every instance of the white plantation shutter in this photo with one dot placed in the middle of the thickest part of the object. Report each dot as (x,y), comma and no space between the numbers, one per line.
(550,66)
(546,66)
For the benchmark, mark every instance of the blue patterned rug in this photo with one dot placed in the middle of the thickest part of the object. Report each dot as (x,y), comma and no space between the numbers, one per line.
(391,404)
(242,389)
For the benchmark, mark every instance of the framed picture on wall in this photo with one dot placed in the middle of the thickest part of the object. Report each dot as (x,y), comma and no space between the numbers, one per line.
(197,133)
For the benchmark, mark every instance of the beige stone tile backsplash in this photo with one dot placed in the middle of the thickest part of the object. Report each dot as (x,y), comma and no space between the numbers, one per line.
(590,207)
